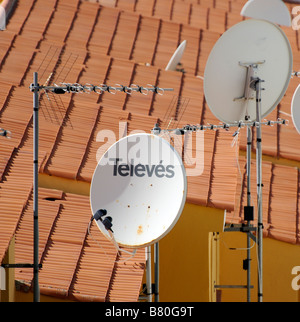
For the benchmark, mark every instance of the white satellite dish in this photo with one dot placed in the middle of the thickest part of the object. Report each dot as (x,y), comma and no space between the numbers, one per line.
(2,18)
(271,10)
(255,42)
(295,109)
(141,182)
(175,59)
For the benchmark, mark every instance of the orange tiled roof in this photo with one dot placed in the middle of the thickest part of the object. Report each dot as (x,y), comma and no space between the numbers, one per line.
(113,42)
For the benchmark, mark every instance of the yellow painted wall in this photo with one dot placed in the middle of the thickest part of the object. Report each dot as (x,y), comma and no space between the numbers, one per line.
(184,255)
(278,260)
(185,265)
(63,184)
(8,295)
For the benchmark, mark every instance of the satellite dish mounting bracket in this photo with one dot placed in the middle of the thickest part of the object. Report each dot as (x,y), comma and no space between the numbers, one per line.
(251,77)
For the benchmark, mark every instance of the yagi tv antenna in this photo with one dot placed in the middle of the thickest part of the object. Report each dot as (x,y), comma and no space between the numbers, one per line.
(274,11)
(176,58)
(57,89)
(139,186)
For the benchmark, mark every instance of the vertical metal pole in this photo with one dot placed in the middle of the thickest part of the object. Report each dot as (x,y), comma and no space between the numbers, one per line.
(259,191)
(156,271)
(36,290)
(249,148)
(148,274)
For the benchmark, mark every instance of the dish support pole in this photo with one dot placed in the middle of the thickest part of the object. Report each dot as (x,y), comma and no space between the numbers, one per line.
(249,149)
(259,190)
(35,89)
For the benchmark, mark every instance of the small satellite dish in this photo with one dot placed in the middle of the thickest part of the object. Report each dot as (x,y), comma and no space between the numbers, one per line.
(175,59)
(256,43)
(271,10)
(2,18)
(295,109)
(140,183)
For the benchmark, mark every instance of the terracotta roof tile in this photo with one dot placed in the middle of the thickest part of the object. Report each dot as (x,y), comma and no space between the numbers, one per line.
(137,103)
(124,37)
(68,154)
(236,6)
(127,277)
(146,40)
(105,26)
(88,285)
(280,200)
(81,30)
(209,14)
(107,128)
(181,12)
(283,204)
(145,7)
(64,247)
(207,3)
(61,22)
(221,4)
(166,79)
(38,19)
(288,136)
(199,17)
(162,9)
(267,175)
(14,194)
(269,136)
(110,42)
(6,41)
(73,260)
(5,91)
(24,247)
(224,173)
(192,99)
(167,43)
(107,3)
(126,4)
(7,151)
(16,115)
(233,19)
(190,57)
(208,117)
(196,195)
(20,14)
(217,20)
(16,64)
(208,39)
(293,38)
(140,123)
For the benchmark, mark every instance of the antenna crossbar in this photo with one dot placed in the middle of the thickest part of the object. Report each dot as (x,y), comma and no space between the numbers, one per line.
(224,126)
(63,88)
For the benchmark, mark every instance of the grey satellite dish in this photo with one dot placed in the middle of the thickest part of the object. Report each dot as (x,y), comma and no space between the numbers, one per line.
(251,48)
(295,109)
(175,59)
(2,18)
(139,189)
(271,10)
